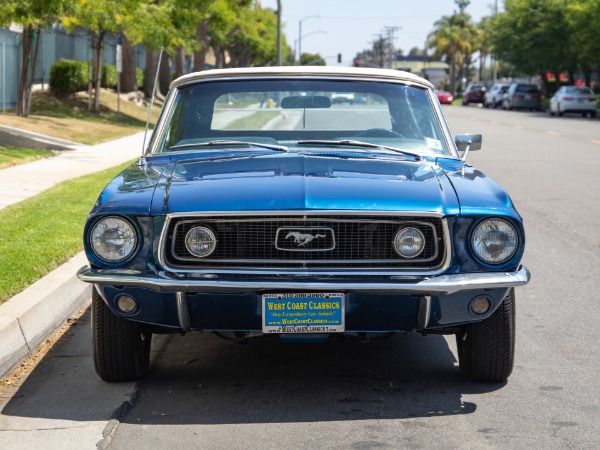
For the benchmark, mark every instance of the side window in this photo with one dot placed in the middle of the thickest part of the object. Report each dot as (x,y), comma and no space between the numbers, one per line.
(189,118)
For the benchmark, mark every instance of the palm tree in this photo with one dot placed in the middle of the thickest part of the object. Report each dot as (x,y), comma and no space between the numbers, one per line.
(445,41)
(454,38)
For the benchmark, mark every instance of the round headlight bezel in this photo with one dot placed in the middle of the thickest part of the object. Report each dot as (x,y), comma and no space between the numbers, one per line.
(132,233)
(402,233)
(477,238)
(211,243)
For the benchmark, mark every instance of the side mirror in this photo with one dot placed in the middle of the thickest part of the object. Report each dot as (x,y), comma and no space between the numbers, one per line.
(468,142)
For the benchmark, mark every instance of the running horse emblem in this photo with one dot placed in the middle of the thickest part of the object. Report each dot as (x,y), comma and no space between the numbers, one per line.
(303,238)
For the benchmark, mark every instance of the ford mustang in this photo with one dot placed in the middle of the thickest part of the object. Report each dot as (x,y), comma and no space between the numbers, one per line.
(264,206)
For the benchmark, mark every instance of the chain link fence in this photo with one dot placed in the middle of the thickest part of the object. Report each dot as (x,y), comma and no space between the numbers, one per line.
(55,44)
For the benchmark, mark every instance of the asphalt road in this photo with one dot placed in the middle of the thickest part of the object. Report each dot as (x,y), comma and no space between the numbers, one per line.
(403,392)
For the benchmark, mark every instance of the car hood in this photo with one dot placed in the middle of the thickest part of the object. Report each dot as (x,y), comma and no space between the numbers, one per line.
(296,181)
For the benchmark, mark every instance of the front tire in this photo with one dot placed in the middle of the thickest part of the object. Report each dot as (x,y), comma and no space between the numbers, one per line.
(486,350)
(121,348)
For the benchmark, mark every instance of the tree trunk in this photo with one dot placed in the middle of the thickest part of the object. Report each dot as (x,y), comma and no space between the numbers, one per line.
(179,62)
(29,90)
(149,71)
(98,80)
(451,75)
(219,57)
(25,51)
(202,38)
(587,73)
(164,74)
(545,83)
(91,70)
(128,76)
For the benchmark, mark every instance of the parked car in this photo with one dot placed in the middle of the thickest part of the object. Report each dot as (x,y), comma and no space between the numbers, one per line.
(522,96)
(319,221)
(445,97)
(474,93)
(494,96)
(573,99)
(343,97)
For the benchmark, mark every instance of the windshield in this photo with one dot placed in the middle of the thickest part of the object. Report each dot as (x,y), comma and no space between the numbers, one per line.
(285,112)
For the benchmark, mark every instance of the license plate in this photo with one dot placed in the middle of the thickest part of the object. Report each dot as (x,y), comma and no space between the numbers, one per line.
(303,313)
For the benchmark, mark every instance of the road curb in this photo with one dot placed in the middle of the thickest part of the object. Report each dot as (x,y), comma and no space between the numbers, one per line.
(27,319)
(23,138)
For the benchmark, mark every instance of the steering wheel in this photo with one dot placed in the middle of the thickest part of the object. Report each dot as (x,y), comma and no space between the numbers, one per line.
(379,132)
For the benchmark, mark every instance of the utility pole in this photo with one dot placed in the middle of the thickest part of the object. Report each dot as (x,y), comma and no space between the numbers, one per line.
(494,60)
(279,32)
(390,39)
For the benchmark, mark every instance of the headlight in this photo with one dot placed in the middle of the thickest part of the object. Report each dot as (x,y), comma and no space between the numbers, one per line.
(494,241)
(409,242)
(200,241)
(113,239)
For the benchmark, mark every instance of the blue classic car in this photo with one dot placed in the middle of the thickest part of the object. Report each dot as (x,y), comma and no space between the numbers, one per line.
(263,206)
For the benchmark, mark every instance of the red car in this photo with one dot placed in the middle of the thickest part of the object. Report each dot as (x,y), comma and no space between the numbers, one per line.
(474,93)
(445,97)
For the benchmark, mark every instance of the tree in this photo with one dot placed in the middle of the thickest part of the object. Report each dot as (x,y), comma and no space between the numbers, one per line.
(242,33)
(310,59)
(32,15)
(534,36)
(447,40)
(484,45)
(583,17)
(100,17)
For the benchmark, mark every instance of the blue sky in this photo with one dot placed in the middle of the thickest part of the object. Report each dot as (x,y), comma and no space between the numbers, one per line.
(352,25)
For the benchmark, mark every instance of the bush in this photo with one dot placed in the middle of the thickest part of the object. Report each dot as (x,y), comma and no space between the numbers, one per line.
(109,77)
(68,76)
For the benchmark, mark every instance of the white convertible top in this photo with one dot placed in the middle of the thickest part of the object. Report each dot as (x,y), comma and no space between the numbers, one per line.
(300,71)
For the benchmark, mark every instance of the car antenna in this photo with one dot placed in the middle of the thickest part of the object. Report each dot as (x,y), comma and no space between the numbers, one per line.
(142,161)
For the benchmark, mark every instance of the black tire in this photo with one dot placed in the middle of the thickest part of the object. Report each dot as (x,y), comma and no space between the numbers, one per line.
(121,348)
(593,114)
(486,350)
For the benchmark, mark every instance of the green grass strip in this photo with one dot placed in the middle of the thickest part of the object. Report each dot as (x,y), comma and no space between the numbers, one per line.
(39,234)
(11,156)
(254,121)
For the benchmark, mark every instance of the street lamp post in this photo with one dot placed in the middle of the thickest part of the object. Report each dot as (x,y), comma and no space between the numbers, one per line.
(303,36)
(300,36)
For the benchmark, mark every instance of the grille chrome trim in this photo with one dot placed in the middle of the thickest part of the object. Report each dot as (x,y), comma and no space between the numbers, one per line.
(306,267)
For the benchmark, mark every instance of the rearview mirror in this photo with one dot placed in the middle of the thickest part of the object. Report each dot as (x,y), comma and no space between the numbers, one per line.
(305,101)
(467,142)
(464,140)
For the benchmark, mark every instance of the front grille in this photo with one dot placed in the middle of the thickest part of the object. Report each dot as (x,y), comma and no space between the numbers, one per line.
(338,242)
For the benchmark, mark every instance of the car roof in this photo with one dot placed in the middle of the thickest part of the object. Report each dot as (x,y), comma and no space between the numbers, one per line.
(302,71)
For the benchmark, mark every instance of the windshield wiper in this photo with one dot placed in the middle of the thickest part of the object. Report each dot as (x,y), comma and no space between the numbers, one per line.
(354,143)
(219,143)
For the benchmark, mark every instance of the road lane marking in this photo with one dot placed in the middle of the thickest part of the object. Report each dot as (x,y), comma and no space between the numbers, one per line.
(552,133)
(518,127)
(595,142)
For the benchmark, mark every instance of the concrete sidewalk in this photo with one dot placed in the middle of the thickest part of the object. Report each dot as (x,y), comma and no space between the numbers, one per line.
(28,318)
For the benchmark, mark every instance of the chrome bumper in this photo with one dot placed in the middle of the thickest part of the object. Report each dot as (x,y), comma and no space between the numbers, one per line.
(164,282)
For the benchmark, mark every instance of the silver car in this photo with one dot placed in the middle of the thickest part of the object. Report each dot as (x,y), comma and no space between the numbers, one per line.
(574,99)
(493,97)
(522,96)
